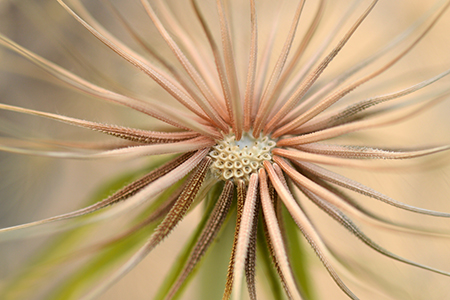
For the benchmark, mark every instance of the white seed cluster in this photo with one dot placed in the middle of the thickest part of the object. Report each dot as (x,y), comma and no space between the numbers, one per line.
(239,159)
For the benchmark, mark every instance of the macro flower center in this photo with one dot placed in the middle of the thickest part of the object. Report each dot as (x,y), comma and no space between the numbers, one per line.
(234,160)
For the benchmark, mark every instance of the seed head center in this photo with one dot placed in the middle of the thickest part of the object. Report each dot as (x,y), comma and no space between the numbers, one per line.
(234,160)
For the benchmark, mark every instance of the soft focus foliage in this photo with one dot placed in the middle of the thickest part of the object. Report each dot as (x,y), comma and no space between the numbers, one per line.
(62,259)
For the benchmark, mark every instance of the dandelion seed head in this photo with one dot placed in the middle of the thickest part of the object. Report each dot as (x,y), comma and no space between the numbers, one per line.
(238,160)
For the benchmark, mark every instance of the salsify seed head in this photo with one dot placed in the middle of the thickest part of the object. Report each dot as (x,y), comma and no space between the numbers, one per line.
(252,113)
(235,160)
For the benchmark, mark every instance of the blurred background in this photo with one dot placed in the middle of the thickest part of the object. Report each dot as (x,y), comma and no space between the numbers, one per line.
(33,187)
